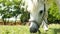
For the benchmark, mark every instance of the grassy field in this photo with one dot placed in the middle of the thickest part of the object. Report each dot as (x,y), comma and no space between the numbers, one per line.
(53,29)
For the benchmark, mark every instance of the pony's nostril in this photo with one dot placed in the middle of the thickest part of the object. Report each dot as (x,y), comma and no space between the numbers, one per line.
(33,30)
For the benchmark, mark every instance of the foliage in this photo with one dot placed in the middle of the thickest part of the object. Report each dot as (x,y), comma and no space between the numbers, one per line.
(53,13)
(25,16)
(11,8)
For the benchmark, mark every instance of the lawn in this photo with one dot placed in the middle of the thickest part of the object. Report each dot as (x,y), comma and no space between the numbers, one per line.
(53,29)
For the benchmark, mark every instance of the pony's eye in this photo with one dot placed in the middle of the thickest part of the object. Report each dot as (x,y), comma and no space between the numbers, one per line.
(41,11)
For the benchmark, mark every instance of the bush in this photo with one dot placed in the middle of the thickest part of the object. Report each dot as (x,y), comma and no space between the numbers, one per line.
(13,8)
(53,13)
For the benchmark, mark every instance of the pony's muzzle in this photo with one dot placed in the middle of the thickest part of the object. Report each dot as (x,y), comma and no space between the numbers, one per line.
(33,27)
(33,30)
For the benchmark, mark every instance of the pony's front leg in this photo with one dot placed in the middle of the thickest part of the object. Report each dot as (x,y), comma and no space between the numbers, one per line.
(44,24)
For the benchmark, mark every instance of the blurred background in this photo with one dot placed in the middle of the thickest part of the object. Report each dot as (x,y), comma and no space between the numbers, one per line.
(14,12)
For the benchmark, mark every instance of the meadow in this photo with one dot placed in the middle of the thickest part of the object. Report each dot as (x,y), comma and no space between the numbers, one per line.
(21,29)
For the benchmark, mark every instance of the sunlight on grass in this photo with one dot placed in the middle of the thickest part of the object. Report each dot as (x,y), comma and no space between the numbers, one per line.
(53,29)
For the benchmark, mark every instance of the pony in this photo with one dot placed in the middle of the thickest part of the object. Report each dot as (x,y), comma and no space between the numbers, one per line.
(38,10)
(38,15)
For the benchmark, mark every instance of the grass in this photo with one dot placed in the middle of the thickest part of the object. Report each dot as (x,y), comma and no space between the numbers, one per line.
(53,29)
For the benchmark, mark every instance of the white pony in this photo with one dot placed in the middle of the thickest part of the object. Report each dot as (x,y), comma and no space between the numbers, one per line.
(38,15)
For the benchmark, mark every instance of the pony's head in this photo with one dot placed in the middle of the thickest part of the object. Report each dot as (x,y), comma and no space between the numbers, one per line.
(36,10)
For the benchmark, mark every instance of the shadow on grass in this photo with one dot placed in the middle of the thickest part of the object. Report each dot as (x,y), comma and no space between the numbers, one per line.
(55,30)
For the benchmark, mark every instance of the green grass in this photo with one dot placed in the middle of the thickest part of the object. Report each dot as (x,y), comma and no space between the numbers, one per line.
(53,29)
